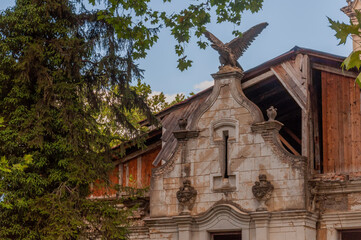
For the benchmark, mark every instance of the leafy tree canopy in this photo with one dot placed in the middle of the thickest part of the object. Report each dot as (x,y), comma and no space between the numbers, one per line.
(66,75)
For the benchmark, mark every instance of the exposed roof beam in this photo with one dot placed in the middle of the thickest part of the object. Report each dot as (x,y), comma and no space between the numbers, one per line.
(255,80)
(293,86)
(137,153)
(289,146)
(334,70)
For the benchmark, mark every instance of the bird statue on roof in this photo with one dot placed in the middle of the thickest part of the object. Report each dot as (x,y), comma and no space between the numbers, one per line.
(230,52)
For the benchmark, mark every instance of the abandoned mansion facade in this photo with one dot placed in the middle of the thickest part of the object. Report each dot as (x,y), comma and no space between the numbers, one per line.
(273,153)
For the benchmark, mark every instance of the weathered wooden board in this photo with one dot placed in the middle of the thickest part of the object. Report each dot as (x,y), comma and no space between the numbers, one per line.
(257,79)
(341,119)
(291,85)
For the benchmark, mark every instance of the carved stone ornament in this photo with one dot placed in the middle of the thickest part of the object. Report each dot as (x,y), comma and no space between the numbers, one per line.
(230,52)
(271,113)
(262,191)
(186,196)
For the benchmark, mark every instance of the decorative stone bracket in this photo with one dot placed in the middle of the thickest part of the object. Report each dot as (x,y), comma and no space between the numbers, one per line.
(262,190)
(184,134)
(186,196)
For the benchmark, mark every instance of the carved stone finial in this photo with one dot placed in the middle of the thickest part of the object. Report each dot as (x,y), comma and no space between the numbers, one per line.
(271,113)
(186,196)
(262,191)
(182,123)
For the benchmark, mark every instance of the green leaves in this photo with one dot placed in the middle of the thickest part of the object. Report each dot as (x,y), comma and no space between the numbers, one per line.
(21,166)
(132,20)
(343,30)
(358,80)
(4,165)
(184,63)
(352,61)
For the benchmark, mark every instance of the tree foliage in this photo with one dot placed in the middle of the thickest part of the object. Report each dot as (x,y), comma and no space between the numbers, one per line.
(343,31)
(137,19)
(63,68)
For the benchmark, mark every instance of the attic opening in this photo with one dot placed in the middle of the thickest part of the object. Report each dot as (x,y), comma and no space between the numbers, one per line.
(270,92)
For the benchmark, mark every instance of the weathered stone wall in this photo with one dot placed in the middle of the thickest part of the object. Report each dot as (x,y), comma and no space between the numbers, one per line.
(339,204)
(229,126)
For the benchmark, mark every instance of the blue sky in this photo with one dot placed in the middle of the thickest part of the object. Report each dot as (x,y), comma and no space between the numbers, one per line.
(291,22)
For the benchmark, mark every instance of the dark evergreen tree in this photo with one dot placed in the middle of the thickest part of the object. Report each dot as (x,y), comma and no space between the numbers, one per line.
(62,69)
(59,69)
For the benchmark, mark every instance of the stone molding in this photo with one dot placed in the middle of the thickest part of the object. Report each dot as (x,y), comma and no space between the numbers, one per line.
(270,131)
(212,213)
(225,122)
(207,221)
(332,222)
(183,135)
(335,187)
(221,75)
(342,219)
(298,218)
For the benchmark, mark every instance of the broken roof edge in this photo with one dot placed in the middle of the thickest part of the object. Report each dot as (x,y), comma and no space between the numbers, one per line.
(315,56)
(257,70)
(289,55)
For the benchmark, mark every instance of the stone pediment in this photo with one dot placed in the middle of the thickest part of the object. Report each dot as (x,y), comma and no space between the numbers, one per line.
(221,152)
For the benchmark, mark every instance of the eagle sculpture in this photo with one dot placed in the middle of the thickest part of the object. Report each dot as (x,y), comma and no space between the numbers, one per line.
(230,52)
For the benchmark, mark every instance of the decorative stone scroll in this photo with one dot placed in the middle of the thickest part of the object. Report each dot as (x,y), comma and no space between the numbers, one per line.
(186,196)
(262,191)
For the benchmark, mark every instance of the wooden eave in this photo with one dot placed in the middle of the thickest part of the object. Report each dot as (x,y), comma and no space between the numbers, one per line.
(131,148)
(315,56)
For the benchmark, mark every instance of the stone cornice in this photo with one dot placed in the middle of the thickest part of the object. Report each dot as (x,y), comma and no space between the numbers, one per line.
(298,217)
(229,74)
(185,134)
(343,219)
(335,187)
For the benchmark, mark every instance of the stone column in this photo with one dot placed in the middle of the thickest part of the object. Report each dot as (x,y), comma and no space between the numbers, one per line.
(261,220)
(184,227)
